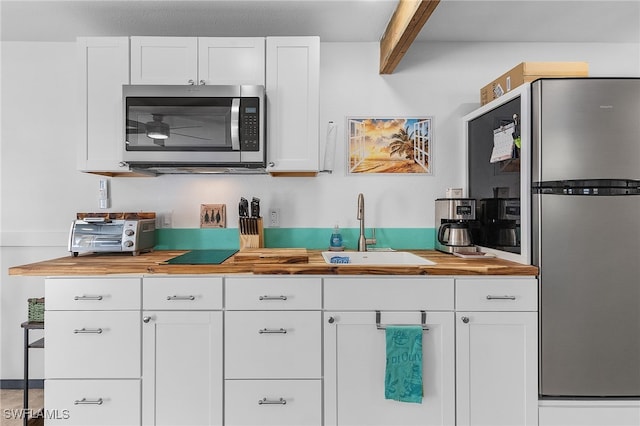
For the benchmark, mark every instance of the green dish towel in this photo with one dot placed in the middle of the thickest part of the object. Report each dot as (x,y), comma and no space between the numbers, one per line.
(403,374)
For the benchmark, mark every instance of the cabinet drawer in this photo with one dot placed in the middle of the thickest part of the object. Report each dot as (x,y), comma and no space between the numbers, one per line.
(273,402)
(261,345)
(92,293)
(497,294)
(180,293)
(273,293)
(392,293)
(92,402)
(93,345)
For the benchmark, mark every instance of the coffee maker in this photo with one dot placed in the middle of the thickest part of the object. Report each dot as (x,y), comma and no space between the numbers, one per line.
(453,221)
(500,223)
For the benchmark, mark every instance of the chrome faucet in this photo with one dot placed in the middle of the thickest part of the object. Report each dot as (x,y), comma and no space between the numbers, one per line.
(362,240)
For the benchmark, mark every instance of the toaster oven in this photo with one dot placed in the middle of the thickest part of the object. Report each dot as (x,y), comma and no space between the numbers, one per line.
(112,235)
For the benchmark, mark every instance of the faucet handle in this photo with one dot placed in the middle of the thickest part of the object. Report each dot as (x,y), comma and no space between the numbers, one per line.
(372,240)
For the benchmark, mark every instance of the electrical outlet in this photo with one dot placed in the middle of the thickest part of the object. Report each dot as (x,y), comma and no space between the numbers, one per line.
(274,218)
(103,194)
(164,220)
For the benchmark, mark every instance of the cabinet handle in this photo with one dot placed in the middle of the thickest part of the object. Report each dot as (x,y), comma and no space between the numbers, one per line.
(202,82)
(331,320)
(146,319)
(265,297)
(174,297)
(465,320)
(85,401)
(85,297)
(272,164)
(272,331)
(490,297)
(191,82)
(87,331)
(265,401)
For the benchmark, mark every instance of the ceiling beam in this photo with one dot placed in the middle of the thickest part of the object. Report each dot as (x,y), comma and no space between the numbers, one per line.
(405,24)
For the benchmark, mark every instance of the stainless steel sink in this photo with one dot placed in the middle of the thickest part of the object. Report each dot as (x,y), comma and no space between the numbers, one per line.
(380,258)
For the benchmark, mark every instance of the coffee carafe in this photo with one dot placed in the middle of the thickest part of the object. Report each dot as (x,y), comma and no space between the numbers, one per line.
(453,220)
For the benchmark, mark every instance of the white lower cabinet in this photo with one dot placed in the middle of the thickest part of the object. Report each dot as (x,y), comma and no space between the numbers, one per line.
(355,360)
(92,402)
(496,352)
(92,344)
(273,351)
(182,351)
(92,353)
(273,402)
(299,351)
(268,344)
(355,350)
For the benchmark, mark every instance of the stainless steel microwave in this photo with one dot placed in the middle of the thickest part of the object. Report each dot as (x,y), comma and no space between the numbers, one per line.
(186,129)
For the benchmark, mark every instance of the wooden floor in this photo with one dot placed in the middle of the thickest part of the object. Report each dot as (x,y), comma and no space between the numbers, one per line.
(11,399)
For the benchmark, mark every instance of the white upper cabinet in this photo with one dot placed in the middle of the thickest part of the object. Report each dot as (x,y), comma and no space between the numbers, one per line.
(231,60)
(197,60)
(103,67)
(164,60)
(293,98)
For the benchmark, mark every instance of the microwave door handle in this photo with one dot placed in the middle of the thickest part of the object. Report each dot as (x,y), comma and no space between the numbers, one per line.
(235,124)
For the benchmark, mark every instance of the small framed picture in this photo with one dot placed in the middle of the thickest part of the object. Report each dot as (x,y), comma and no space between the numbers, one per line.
(390,145)
(213,216)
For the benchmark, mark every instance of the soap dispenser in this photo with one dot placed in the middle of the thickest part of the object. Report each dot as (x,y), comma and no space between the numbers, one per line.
(335,244)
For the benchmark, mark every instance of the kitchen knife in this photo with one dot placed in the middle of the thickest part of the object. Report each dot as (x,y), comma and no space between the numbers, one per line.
(243,207)
(255,207)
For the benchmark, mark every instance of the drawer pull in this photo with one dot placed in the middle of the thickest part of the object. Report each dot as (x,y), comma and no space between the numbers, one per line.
(87,331)
(265,297)
(174,297)
(272,331)
(85,297)
(490,297)
(265,401)
(85,401)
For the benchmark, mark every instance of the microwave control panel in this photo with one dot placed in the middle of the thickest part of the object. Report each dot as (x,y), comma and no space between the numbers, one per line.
(250,124)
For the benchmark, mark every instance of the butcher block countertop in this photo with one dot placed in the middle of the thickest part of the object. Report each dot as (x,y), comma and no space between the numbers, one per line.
(155,263)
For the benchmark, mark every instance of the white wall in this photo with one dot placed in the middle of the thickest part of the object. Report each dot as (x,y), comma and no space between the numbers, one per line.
(41,191)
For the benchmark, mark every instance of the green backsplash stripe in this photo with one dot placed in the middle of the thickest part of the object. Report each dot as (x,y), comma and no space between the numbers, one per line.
(310,238)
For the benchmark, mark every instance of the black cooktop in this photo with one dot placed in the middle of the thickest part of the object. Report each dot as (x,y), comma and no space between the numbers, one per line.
(203,257)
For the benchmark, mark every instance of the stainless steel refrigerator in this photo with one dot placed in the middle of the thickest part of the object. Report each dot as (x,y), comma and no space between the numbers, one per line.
(586,234)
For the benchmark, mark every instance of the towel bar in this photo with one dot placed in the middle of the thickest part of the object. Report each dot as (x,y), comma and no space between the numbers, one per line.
(423,321)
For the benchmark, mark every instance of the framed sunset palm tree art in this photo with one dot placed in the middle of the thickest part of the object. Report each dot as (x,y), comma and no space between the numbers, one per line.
(390,145)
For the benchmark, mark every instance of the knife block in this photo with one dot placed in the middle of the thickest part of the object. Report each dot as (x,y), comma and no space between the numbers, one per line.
(251,233)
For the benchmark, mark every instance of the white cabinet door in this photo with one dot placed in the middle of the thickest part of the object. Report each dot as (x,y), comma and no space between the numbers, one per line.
(92,402)
(231,60)
(273,344)
(182,368)
(174,293)
(497,368)
(273,293)
(103,67)
(92,344)
(355,359)
(198,60)
(293,85)
(273,403)
(92,294)
(164,60)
